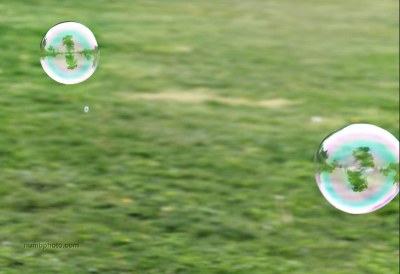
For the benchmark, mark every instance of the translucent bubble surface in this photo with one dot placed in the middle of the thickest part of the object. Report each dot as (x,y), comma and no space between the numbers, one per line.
(357,168)
(69,53)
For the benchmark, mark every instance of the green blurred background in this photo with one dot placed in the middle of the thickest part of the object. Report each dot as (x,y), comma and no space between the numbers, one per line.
(197,154)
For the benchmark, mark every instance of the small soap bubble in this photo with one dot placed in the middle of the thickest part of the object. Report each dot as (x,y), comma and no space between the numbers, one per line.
(86,109)
(69,53)
(357,168)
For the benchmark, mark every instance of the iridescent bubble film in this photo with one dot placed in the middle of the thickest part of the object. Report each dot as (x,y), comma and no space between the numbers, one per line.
(69,53)
(357,168)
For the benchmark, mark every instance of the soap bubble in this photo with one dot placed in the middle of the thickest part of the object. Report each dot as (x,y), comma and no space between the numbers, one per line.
(357,168)
(69,53)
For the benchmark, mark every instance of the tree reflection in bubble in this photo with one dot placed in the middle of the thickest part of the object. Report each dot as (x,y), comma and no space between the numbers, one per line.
(365,159)
(90,54)
(69,53)
(357,168)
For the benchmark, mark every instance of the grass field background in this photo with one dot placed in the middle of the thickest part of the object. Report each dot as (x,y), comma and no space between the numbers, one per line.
(197,154)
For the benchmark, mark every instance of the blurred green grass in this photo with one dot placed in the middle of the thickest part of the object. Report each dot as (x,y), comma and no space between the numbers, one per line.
(207,183)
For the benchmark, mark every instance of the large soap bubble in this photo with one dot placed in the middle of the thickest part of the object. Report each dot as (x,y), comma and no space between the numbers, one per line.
(357,168)
(69,53)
